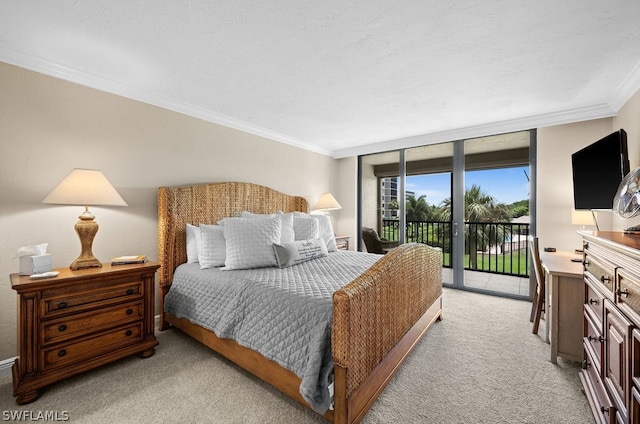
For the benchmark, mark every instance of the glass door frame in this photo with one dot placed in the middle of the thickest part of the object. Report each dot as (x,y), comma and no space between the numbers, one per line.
(457,204)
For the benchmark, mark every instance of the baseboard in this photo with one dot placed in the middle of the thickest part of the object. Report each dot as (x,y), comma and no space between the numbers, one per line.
(5,367)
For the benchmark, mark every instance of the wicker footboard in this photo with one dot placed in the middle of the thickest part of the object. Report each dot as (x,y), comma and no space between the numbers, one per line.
(377,320)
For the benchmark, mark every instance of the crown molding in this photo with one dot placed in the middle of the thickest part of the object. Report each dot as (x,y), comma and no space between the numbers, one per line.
(513,125)
(628,88)
(101,83)
(33,63)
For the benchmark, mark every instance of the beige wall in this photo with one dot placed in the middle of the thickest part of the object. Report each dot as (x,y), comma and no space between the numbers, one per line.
(555,190)
(629,119)
(49,126)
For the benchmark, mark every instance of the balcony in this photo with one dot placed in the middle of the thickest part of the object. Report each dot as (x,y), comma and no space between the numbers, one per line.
(490,247)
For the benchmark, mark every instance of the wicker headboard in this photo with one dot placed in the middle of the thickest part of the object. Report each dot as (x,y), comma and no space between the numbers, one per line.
(207,204)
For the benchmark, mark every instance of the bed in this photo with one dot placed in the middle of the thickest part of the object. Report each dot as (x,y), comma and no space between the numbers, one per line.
(376,318)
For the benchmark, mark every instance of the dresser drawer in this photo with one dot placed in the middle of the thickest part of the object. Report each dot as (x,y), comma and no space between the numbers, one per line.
(635,406)
(79,324)
(56,302)
(593,341)
(635,357)
(628,293)
(600,270)
(601,405)
(593,301)
(87,348)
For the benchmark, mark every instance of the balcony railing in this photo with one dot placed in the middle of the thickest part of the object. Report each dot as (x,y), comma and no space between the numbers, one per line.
(496,247)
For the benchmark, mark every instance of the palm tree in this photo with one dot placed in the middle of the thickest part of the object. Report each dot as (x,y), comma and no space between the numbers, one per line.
(417,210)
(479,208)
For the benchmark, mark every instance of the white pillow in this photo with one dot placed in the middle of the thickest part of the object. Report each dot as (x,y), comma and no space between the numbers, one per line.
(287,234)
(250,242)
(193,243)
(295,252)
(326,230)
(213,246)
(305,227)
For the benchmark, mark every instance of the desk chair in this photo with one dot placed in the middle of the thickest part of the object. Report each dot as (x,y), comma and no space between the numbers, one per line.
(537,306)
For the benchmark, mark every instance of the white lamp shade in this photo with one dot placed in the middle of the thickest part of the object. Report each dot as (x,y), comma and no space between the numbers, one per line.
(85,187)
(581,217)
(327,202)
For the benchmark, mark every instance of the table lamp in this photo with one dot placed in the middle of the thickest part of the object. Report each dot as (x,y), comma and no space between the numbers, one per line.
(85,187)
(582,218)
(327,202)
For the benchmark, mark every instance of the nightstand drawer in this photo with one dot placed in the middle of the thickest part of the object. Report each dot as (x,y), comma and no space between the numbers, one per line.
(91,347)
(57,301)
(79,324)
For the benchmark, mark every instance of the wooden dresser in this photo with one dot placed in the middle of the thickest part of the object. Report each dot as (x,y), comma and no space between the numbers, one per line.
(80,320)
(611,367)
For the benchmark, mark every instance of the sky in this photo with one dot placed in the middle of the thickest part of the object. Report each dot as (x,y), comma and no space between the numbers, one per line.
(506,185)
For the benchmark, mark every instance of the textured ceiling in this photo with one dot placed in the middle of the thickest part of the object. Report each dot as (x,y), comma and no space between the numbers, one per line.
(338,77)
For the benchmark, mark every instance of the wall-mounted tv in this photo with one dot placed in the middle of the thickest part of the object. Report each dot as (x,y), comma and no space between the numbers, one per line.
(598,170)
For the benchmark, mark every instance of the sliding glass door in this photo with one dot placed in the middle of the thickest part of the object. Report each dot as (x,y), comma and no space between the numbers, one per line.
(468,197)
(429,189)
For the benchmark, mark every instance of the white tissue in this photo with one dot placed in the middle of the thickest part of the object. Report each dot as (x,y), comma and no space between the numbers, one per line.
(32,250)
(34,259)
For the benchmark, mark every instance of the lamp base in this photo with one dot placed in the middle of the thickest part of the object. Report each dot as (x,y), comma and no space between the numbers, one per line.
(86,228)
(81,263)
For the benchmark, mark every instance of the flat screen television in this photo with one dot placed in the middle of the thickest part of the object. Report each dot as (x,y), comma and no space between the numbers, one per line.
(598,170)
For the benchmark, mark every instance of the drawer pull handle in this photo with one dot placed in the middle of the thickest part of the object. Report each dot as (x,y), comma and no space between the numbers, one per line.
(594,301)
(129,291)
(605,279)
(594,338)
(128,333)
(604,410)
(624,292)
(62,305)
(129,311)
(61,353)
(585,364)
(62,327)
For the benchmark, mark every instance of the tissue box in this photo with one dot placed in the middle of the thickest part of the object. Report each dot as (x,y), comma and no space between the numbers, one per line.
(36,264)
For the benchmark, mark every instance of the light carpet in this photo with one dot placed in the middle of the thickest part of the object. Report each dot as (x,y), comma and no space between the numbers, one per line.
(480,364)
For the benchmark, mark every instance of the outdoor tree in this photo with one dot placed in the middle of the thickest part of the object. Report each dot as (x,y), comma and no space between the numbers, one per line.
(479,208)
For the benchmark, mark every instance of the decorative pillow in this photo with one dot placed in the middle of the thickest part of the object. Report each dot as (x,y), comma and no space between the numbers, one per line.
(287,233)
(213,246)
(305,227)
(249,242)
(326,229)
(193,243)
(299,251)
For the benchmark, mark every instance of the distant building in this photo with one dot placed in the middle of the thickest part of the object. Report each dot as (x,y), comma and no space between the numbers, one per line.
(389,192)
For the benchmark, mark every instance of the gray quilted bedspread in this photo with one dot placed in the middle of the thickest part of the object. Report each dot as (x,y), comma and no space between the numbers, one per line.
(285,314)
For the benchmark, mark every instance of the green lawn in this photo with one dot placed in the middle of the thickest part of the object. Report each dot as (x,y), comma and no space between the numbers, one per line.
(506,264)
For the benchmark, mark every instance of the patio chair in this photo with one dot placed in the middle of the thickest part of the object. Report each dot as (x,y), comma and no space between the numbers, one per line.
(374,243)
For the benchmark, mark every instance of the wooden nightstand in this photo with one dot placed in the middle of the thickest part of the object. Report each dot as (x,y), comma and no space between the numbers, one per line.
(342,242)
(80,320)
